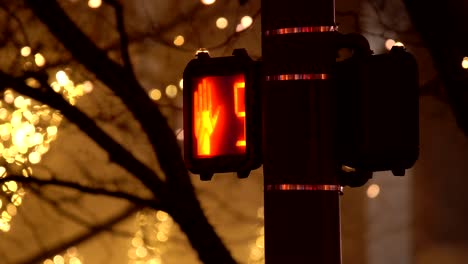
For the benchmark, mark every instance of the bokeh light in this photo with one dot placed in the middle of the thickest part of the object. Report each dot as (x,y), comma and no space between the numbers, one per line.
(71,256)
(221,23)
(149,243)
(39,59)
(94,3)
(373,191)
(465,63)
(245,22)
(27,128)
(155,94)
(179,40)
(25,51)
(171,91)
(208,2)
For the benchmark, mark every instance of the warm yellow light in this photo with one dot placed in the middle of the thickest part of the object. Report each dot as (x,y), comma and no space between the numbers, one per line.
(48,261)
(137,242)
(94,3)
(25,51)
(162,236)
(162,216)
(256,254)
(32,82)
(221,23)
(9,97)
(11,186)
(141,252)
(346,168)
(181,84)
(179,40)
(399,44)
(465,63)
(39,59)
(389,43)
(59,260)
(246,21)
(208,2)
(87,86)
(74,260)
(260,242)
(34,157)
(52,130)
(11,209)
(155,94)
(171,91)
(202,50)
(373,191)
(62,78)
(72,251)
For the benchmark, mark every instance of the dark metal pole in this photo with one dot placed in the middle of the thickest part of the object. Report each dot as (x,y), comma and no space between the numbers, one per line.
(302,217)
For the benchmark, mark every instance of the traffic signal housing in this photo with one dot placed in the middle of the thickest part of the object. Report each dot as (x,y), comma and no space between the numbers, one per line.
(378,114)
(222,118)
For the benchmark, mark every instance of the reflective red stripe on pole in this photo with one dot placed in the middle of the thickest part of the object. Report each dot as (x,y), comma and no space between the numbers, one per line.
(302,224)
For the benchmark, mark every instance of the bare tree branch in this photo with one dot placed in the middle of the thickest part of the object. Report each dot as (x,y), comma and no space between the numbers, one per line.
(85,189)
(119,16)
(85,236)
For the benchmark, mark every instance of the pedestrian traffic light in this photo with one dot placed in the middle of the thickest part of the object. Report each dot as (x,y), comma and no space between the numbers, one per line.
(378,106)
(222,126)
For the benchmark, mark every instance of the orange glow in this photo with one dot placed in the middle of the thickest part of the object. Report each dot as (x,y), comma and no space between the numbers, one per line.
(239,108)
(205,121)
(219,126)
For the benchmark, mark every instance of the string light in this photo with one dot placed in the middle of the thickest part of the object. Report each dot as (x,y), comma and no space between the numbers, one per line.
(179,40)
(149,243)
(171,91)
(94,3)
(257,249)
(208,2)
(373,191)
(39,60)
(71,256)
(25,51)
(26,131)
(221,23)
(465,63)
(245,22)
(155,94)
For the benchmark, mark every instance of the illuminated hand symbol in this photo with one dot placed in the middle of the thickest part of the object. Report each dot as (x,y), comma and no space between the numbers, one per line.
(205,120)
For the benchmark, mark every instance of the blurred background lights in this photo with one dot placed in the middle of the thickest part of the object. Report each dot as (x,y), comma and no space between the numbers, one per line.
(155,94)
(181,84)
(245,22)
(389,44)
(465,63)
(221,23)
(25,51)
(27,128)
(39,59)
(179,40)
(202,50)
(70,257)
(399,44)
(208,2)
(373,191)
(94,3)
(62,78)
(149,244)
(171,91)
